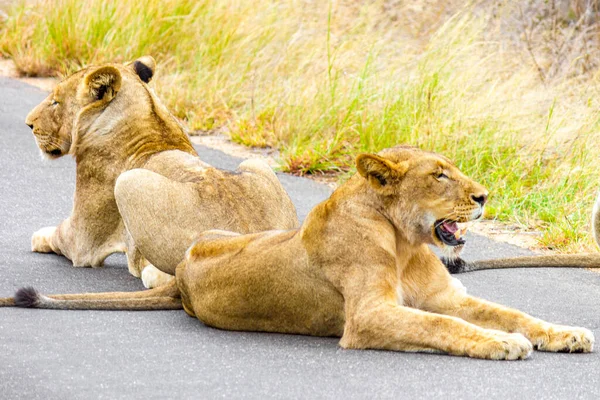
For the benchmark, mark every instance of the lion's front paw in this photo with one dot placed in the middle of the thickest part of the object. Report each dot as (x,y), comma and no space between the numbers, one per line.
(502,346)
(564,339)
(152,277)
(40,241)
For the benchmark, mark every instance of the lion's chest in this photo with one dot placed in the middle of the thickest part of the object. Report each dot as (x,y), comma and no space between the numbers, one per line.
(399,295)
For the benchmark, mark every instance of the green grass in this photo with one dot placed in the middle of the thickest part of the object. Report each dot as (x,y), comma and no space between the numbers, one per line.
(324,81)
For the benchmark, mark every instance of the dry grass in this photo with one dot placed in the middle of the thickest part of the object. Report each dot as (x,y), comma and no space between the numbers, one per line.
(509,92)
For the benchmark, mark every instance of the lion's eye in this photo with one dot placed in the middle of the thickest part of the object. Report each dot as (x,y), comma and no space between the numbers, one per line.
(441,175)
(54,103)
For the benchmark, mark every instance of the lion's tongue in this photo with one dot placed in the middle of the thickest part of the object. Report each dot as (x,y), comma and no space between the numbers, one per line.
(451,227)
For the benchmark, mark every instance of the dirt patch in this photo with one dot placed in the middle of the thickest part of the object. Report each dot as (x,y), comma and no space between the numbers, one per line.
(8,69)
(222,142)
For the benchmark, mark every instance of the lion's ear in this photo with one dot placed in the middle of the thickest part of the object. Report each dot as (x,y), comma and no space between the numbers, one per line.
(379,171)
(102,84)
(145,67)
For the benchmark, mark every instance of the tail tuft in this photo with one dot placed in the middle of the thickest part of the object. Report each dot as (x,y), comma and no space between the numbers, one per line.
(27,297)
(455,265)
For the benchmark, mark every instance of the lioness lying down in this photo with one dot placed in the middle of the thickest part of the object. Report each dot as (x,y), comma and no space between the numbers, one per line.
(136,164)
(359,267)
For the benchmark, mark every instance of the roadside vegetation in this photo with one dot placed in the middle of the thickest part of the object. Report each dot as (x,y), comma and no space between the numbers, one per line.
(509,91)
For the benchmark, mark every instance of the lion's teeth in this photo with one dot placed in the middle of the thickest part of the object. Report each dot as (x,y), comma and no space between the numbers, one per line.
(460,232)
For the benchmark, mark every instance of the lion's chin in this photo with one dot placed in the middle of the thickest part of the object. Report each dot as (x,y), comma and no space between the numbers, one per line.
(452,252)
(51,154)
(449,238)
(449,251)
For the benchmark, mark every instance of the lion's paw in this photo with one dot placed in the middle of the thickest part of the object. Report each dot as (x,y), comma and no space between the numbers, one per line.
(565,339)
(40,241)
(152,277)
(503,346)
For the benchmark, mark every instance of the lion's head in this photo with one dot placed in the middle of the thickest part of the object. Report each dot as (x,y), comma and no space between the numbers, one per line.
(424,194)
(85,92)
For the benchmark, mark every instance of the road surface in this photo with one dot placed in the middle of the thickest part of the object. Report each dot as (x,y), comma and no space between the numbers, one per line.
(48,354)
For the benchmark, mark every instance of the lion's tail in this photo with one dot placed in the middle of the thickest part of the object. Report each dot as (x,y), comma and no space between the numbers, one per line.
(7,302)
(163,298)
(586,260)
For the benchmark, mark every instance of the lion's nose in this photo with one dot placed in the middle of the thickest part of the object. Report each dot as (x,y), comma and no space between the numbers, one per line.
(481,199)
(30,125)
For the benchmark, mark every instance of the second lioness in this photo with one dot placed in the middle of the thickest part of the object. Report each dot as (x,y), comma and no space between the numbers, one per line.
(110,121)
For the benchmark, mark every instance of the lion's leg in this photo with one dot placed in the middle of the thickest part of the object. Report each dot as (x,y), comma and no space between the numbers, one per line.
(139,267)
(450,299)
(377,318)
(41,241)
(86,237)
(444,295)
(135,260)
(385,325)
(54,239)
(62,241)
(545,336)
(161,215)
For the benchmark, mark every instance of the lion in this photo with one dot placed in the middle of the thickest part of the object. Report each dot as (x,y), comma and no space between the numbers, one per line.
(141,187)
(457,265)
(359,268)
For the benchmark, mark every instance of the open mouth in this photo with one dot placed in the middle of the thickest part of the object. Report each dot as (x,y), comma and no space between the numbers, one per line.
(449,232)
(55,152)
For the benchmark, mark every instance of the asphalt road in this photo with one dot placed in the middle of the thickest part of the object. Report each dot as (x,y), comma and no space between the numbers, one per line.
(165,354)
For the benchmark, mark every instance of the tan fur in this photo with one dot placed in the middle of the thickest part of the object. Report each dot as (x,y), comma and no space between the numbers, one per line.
(360,268)
(7,302)
(166,205)
(111,122)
